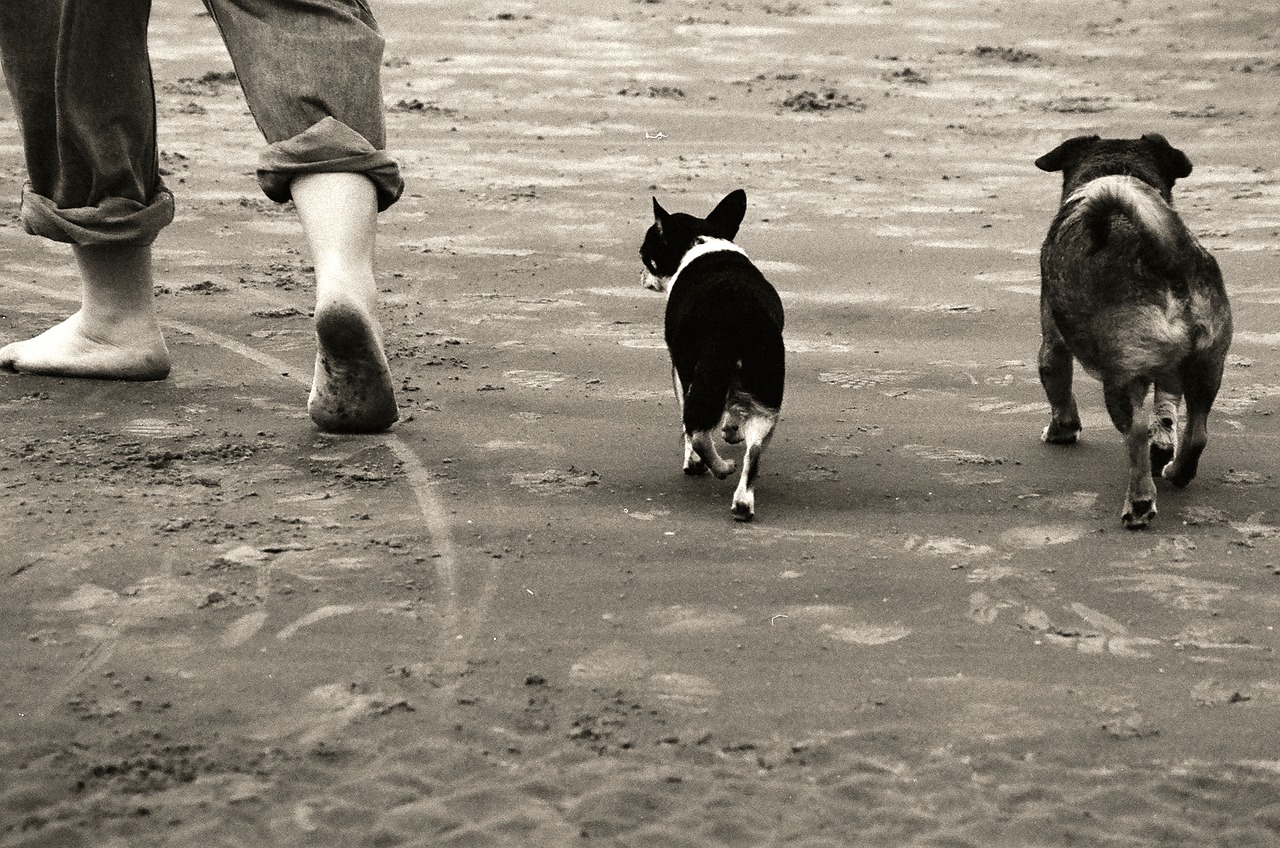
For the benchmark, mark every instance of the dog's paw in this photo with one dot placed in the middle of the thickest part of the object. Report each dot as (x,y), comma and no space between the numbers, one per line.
(744,507)
(1164,443)
(1059,434)
(1178,475)
(726,467)
(1138,515)
(695,467)
(1160,456)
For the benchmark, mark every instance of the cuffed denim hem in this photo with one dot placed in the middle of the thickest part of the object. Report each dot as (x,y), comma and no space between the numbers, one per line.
(327,147)
(116,220)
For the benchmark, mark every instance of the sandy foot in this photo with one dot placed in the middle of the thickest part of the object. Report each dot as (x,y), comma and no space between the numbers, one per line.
(135,351)
(351,390)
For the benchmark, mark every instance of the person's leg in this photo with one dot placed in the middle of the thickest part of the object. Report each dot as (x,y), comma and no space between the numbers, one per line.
(80,79)
(351,390)
(310,73)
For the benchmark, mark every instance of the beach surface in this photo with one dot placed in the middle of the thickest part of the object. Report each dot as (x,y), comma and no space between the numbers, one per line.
(512,620)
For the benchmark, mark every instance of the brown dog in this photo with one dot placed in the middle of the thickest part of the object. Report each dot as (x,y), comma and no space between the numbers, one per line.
(1127,290)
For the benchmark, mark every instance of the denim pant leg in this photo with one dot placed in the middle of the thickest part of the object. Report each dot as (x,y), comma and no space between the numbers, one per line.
(310,70)
(80,79)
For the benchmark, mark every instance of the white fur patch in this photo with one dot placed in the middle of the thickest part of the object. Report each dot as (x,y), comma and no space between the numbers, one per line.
(702,247)
(652,281)
(1156,338)
(1140,200)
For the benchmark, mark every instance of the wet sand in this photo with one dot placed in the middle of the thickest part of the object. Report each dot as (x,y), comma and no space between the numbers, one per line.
(512,620)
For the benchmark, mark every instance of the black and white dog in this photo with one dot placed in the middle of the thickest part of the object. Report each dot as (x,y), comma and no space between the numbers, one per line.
(1127,290)
(724,333)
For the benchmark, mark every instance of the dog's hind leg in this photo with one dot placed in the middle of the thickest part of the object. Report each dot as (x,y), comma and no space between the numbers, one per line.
(1200,387)
(706,393)
(693,464)
(1127,405)
(1055,376)
(756,431)
(1164,428)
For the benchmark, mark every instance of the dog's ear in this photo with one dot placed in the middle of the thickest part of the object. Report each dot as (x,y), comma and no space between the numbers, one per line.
(728,214)
(1066,154)
(1174,164)
(660,216)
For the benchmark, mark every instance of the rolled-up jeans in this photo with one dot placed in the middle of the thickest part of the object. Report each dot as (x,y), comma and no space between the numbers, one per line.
(80,78)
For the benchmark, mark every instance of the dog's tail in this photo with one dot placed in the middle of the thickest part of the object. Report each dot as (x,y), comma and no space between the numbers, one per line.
(1096,201)
(712,378)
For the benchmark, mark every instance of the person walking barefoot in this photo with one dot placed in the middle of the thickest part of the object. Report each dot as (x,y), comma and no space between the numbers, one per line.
(80,78)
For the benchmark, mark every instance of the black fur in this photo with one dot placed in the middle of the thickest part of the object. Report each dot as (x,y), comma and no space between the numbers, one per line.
(724,331)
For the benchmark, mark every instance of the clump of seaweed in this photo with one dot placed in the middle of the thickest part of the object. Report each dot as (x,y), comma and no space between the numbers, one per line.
(1006,54)
(823,100)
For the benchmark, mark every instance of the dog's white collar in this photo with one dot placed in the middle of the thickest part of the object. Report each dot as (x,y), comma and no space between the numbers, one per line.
(701,247)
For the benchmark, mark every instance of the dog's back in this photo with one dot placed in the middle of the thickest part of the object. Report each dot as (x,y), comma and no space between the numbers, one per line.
(724,324)
(1127,283)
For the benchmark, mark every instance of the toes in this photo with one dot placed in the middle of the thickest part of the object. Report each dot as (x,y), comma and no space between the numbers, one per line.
(695,469)
(9,358)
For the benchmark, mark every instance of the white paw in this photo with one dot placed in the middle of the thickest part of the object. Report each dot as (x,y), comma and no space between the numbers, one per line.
(725,468)
(1057,436)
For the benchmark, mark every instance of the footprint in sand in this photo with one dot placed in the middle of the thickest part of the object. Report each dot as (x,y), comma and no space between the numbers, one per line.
(683,620)
(155,428)
(843,624)
(618,663)
(556,482)
(535,379)
(1041,536)
(947,546)
(1103,634)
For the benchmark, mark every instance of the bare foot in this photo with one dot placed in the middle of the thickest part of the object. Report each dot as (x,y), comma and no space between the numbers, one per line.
(351,390)
(131,350)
